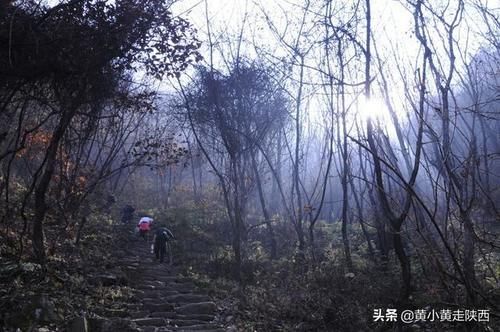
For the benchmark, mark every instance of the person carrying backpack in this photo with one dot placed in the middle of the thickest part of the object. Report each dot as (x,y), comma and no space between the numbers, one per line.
(144,226)
(160,243)
(127,213)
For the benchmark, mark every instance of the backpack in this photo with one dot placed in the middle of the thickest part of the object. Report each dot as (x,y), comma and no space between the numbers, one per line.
(163,234)
(144,226)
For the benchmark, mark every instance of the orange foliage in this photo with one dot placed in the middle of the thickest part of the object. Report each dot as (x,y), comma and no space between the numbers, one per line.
(35,142)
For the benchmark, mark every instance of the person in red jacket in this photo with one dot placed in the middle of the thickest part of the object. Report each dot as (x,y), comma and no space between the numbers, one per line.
(144,226)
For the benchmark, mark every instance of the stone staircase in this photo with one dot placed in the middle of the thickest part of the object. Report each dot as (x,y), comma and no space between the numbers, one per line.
(163,300)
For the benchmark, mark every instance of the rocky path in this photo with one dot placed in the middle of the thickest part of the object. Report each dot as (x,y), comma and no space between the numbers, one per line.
(164,300)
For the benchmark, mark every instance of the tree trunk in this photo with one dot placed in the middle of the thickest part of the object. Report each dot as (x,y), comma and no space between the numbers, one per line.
(404,262)
(43,185)
(265,212)
(296,168)
(359,207)
(468,258)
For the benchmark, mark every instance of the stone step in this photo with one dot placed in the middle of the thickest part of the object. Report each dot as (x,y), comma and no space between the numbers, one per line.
(132,306)
(146,287)
(133,263)
(155,283)
(187,298)
(181,288)
(204,308)
(200,327)
(163,300)
(185,322)
(113,324)
(148,329)
(156,293)
(165,314)
(153,321)
(183,291)
(153,307)
(176,279)
(206,318)
(202,330)
(129,268)
(139,314)
(153,300)
(116,313)
(154,329)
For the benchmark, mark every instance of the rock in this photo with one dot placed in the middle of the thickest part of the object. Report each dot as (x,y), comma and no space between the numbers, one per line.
(37,308)
(43,329)
(163,329)
(116,313)
(197,308)
(149,329)
(107,280)
(96,323)
(205,330)
(232,328)
(304,326)
(79,324)
(115,324)
(120,324)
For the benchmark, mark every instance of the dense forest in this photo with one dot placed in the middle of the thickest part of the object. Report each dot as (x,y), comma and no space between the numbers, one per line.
(323,165)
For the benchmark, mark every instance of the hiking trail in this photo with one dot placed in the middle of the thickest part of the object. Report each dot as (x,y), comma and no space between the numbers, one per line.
(163,299)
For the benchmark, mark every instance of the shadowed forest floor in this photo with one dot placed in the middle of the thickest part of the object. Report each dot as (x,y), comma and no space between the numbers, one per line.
(127,290)
(112,282)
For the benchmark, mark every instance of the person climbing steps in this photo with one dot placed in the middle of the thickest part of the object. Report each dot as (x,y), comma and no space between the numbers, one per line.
(161,242)
(144,227)
(127,214)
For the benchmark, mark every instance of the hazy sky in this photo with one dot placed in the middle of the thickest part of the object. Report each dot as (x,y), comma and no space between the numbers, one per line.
(392,26)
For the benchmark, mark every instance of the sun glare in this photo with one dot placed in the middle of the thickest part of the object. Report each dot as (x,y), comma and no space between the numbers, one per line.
(374,109)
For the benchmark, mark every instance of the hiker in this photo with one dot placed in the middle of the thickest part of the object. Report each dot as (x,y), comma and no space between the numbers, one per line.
(144,226)
(127,213)
(160,243)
